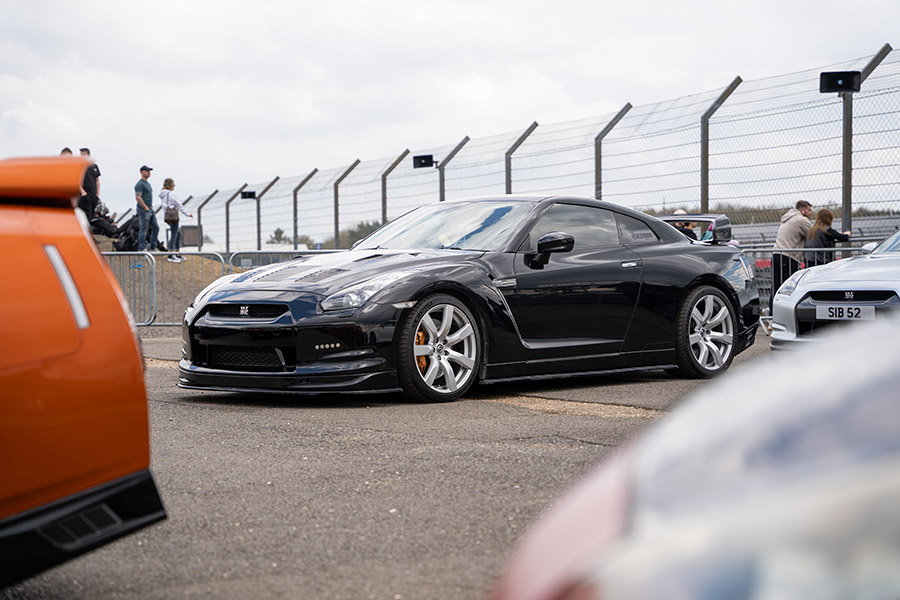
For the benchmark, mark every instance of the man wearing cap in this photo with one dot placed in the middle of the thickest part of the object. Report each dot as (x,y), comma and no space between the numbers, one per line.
(791,234)
(143,193)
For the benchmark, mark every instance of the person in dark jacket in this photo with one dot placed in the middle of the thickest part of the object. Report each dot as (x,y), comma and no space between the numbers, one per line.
(821,235)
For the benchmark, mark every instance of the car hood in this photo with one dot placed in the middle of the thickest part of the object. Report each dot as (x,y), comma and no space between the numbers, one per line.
(872,267)
(326,274)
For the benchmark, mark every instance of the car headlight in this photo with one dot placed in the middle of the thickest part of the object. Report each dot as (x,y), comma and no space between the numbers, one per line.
(357,295)
(787,288)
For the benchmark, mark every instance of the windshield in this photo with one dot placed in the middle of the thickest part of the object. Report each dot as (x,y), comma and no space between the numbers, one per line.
(477,225)
(892,244)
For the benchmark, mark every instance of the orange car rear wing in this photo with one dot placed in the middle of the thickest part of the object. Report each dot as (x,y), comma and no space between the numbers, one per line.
(51,181)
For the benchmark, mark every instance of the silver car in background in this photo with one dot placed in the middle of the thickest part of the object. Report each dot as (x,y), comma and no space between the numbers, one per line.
(861,288)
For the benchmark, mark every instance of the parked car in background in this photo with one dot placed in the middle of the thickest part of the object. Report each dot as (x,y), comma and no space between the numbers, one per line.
(489,289)
(74,437)
(713,228)
(778,481)
(861,288)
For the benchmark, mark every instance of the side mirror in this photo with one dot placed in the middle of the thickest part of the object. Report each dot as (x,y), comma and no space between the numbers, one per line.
(721,230)
(555,241)
(867,249)
(722,235)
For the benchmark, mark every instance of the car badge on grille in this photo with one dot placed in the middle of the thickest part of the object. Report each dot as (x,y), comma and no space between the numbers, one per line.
(848,295)
(245,311)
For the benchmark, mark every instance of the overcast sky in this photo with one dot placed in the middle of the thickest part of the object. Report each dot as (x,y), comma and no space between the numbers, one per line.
(218,93)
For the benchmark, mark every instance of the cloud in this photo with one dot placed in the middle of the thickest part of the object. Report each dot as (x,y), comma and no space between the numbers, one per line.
(214,94)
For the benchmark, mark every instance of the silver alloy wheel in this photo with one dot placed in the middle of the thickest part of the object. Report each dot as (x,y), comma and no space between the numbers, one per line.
(445,348)
(711,333)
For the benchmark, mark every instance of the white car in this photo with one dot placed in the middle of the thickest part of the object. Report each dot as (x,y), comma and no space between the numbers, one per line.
(861,288)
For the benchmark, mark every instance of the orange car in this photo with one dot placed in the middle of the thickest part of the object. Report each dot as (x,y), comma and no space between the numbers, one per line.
(74,430)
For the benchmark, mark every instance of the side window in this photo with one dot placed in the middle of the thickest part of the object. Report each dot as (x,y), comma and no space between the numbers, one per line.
(634,232)
(591,227)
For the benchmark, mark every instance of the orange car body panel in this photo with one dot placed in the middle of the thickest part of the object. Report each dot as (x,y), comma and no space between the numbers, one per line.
(73,406)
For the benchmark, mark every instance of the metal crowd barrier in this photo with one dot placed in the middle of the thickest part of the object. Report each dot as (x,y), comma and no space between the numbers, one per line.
(158,291)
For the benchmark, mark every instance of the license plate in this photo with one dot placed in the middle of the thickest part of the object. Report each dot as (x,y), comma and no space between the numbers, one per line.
(836,312)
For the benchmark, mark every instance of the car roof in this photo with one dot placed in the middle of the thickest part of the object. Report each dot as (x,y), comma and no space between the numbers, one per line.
(50,181)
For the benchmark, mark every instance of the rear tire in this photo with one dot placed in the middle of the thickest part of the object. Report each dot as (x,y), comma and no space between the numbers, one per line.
(440,350)
(705,333)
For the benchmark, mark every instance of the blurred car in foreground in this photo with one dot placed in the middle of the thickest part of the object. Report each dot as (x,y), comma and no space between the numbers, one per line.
(489,289)
(74,436)
(861,288)
(777,481)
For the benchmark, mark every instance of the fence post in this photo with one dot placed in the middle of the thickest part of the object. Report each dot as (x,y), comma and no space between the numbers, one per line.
(200,221)
(704,143)
(510,152)
(443,165)
(337,231)
(228,218)
(384,177)
(598,141)
(259,213)
(296,191)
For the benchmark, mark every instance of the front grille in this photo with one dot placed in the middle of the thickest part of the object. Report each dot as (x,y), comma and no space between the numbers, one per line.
(247,311)
(250,358)
(858,296)
(807,322)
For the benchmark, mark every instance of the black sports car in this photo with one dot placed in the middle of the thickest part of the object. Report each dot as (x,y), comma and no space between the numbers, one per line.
(489,289)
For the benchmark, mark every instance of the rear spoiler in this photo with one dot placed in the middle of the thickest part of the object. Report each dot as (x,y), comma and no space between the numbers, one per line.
(52,181)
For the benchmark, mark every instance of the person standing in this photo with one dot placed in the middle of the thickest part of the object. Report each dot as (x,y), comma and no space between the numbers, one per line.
(90,186)
(821,235)
(143,193)
(791,234)
(171,207)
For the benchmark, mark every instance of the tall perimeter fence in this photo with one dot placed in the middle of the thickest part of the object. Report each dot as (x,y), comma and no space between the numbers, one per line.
(749,150)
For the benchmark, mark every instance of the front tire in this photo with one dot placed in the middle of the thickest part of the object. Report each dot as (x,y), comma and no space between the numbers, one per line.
(705,333)
(440,350)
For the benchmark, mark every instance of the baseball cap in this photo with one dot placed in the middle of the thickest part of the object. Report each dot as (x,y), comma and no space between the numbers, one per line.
(146,168)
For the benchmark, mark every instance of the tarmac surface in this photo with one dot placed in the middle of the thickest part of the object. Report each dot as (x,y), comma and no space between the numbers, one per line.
(330,497)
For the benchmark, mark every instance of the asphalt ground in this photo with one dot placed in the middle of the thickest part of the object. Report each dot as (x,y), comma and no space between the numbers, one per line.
(355,497)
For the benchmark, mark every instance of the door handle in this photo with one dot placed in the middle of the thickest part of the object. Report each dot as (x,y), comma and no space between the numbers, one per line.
(631,264)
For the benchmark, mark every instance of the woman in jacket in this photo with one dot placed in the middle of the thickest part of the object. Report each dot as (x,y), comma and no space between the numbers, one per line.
(171,207)
(821,235)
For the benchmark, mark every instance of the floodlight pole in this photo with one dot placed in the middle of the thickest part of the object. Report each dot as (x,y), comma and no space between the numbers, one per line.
(847,147)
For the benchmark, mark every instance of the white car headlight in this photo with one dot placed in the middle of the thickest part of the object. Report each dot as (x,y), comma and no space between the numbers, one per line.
(357,295)
(787,288)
